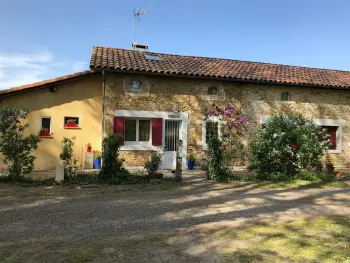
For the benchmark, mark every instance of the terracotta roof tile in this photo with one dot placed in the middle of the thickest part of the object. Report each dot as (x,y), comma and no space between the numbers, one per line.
(130,60)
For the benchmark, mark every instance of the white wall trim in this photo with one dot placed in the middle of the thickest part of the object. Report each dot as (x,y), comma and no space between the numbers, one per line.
(204,128)
(323,122)
(41,121)
(165,115)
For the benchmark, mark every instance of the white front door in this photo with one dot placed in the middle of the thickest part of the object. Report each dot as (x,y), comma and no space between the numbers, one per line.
(172,137)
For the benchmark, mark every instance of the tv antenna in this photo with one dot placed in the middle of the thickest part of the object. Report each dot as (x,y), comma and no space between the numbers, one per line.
(137,13)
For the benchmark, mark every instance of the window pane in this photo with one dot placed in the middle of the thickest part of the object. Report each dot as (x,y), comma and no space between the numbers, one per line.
(212,131)
(213,91)
(45,123)
(136,85)
(130,130)
(285,96)
(332,132)
(144,130)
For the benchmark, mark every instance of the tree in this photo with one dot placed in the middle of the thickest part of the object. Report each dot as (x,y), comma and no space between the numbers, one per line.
(14,146)
(287,144)
(112,171)
(70,164)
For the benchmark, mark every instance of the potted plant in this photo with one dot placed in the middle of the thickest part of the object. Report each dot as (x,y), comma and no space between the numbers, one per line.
(88,148)
(330,167)
(97,159)
(44,132)
(190,163)
(329,164)
(71,123)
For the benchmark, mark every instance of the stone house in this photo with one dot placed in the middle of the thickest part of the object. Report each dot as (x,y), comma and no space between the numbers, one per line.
(155,100)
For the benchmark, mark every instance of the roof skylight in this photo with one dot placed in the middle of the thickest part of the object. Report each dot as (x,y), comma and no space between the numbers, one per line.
(151,56)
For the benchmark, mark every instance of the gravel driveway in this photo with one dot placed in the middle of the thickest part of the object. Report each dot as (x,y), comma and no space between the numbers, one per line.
(161,223)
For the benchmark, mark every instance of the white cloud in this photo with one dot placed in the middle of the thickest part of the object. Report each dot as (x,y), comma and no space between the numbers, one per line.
(24,68)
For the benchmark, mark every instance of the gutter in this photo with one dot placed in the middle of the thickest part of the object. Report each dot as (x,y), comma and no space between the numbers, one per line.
(103,109)
(237,80)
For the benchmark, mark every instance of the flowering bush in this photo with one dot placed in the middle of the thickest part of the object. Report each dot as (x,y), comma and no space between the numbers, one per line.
(227,150)
(287,144)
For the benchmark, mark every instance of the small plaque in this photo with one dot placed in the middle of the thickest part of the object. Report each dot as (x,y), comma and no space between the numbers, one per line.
(174,116)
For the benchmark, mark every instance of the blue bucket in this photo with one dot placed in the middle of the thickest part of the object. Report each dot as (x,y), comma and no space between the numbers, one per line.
(190,164)
(97,163)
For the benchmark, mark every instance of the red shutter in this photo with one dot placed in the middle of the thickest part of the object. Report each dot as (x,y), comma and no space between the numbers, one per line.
(157,131)
(332,131)
(119,127)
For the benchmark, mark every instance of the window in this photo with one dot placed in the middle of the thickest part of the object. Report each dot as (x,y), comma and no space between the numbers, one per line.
(285,96)
(136,85)
(332,132)
(152,56)
(71,122)
(45,126)
(213,91)
(211,130)
(137,131)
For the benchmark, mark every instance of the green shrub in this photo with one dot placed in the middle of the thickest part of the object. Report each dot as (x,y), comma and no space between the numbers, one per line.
(112,171)
(287,144)
(17,149)
(314,176)
(153,165)
(70,164)
(216,168)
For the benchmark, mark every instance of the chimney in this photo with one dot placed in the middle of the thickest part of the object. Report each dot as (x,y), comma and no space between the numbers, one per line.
(139,46)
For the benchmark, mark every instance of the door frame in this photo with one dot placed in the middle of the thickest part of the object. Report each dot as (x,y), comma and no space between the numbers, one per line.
(164,115)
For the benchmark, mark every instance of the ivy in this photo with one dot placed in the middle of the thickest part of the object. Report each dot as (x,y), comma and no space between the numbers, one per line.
(112,171)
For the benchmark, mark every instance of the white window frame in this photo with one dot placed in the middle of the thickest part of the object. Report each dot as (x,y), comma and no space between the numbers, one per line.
(79,120)
(137,142)
(324,122)
(217,119)
(41,123)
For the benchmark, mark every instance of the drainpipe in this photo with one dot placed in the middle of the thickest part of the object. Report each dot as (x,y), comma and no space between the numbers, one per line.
(103,109)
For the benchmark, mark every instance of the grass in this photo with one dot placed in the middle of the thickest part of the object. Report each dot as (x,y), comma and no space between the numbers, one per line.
(301,184)
(317,240)
(320,239)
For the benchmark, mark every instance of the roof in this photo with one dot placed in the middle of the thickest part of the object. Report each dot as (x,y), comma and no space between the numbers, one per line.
(46,83)
(131,60)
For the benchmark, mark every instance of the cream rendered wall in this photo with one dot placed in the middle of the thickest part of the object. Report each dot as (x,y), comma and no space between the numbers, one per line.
(80,98)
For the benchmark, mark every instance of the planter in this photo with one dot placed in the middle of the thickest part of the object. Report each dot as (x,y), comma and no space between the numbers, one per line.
(44,134)
(190,164)
(97,163)
(158,175)
(330,169)
(71,125)
(88,150)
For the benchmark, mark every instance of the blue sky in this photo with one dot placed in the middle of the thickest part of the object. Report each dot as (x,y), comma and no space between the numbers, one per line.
(41,39)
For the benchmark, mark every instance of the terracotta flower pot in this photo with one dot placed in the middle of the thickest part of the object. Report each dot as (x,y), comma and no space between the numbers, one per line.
(158,175)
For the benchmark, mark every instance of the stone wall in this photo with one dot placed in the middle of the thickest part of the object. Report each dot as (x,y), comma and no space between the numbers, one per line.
(255,100)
